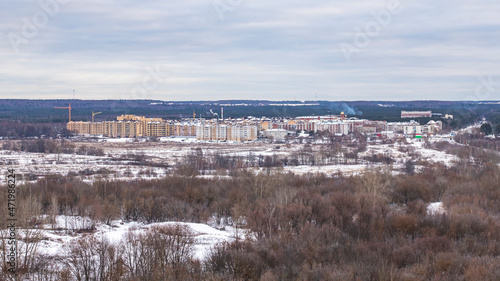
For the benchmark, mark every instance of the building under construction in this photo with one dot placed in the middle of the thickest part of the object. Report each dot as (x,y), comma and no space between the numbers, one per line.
(131,126)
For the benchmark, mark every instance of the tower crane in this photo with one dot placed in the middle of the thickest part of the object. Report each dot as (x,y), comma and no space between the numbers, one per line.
(68,108)
(94,114)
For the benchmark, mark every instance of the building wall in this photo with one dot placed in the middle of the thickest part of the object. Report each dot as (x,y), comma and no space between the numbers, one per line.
(415,114)
(412,130)
(223,132)
(240,129)
(79,127)
(276,134)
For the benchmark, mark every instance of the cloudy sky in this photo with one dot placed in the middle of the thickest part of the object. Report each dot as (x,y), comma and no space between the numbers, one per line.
(250,49)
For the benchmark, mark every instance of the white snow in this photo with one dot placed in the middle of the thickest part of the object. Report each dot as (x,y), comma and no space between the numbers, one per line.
(119,140)
(436,208)
(331,169)
(178,139)
(122,157)
(205,236)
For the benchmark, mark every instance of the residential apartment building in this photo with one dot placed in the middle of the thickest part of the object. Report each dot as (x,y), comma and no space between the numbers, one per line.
(243,129)
(226,132)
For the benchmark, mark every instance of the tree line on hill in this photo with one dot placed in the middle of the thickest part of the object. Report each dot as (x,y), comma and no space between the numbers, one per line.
(18,130)
(36,111)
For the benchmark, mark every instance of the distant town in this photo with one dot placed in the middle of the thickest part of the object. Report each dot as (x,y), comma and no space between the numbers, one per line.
(237,184)
(252,128)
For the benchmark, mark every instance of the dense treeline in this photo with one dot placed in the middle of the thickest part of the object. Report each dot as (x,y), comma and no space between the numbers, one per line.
(17,130)
(51,146)
(465,113)
(373,226)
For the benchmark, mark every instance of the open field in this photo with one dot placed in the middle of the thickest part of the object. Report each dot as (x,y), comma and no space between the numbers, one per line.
(130,159)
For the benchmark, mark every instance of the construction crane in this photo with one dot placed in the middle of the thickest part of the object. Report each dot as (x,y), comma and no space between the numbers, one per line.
(68,108)
(94,114)
(194,115)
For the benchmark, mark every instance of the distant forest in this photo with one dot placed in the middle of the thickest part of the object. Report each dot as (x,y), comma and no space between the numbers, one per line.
(43,111)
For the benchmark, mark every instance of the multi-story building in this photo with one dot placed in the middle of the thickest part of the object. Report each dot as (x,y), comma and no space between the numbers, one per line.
(412,130)
(334,127)
(79,127)
(187,128)
(243,129)
(156,129)
(244,132)
(96,128)
(415,114)
(226,132)
(431,128)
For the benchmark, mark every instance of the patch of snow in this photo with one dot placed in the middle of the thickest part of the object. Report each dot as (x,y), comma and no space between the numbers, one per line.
(331,169)
(120,140)
(55,240)
(178,139)
(436,208)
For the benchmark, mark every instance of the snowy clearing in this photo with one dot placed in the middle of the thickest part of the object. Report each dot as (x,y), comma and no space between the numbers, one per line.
(55,238)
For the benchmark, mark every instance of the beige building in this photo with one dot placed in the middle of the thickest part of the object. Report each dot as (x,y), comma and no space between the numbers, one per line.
(156,129)
(79,127)
(134,126)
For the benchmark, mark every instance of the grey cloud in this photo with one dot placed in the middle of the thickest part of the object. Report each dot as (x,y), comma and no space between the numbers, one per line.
(260,50)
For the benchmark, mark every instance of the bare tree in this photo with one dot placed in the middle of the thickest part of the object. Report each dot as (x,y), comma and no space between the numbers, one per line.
(94,258)
(162,252)
(374,184)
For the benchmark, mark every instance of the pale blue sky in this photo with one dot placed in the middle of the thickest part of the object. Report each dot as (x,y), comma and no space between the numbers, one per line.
(249,49)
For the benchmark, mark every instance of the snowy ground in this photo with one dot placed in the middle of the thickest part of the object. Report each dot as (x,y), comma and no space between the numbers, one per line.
(436,208)
(120,157)
(204,235)
(332,169)
(414,149)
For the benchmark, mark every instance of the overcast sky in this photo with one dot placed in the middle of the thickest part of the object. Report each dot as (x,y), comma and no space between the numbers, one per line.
(250,49)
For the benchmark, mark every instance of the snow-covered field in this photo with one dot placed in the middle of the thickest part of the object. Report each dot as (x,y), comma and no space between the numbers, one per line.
(415,150)
(122,157)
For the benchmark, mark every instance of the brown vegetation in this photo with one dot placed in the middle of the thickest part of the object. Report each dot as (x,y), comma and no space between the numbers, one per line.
(368,227)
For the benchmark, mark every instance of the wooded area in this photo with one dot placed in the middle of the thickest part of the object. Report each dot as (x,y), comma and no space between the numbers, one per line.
(373,226)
